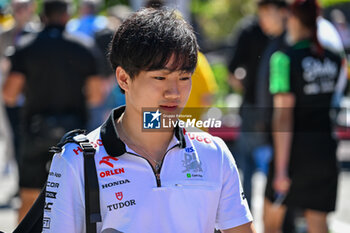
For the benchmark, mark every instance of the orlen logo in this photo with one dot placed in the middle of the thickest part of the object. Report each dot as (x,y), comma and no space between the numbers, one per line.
(113,172)
(106,159)
(119,195)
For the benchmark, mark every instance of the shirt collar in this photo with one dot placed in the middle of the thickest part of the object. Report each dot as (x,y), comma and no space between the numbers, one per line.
(114,146)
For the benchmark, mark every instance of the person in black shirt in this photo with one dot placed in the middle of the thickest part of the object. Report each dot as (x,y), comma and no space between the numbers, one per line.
(249,47)
(51,69)
(303,80)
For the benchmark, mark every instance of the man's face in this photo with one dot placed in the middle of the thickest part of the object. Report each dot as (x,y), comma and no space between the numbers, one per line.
(22,11)
(271,19)
(295,27)
(161,89)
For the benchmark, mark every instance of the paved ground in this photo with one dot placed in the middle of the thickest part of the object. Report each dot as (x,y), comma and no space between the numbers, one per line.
(339,221)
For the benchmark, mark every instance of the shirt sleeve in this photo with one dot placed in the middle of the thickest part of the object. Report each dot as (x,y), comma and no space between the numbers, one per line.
(17,62)
(64,204)
(233,207)
(279,73)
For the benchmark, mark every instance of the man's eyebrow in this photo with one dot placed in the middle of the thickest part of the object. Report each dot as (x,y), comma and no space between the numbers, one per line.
(168,70)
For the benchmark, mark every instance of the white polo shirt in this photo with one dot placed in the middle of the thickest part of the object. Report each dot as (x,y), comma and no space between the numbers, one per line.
(198,187)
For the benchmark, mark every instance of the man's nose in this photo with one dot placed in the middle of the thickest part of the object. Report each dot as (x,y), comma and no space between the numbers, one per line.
(172,91)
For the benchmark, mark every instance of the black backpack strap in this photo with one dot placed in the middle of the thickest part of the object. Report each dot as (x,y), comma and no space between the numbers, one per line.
(33,221)
(92,194)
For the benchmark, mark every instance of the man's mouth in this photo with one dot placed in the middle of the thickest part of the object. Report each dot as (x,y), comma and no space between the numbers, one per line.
(169,108)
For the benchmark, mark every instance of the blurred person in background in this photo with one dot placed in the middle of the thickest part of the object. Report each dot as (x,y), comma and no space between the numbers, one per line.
(85,27)
(339,20)
(328,38)
(24,24)
(88,22)
(57,75)
(22,12)
(250,43)
(303,80)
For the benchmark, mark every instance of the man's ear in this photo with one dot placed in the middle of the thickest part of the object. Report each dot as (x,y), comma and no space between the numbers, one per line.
(123,78)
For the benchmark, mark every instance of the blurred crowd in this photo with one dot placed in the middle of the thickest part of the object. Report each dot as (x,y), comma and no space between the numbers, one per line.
(287,63)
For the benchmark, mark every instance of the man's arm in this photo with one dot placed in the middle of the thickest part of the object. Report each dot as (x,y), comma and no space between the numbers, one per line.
(245,228)
(12,87)
(282,124)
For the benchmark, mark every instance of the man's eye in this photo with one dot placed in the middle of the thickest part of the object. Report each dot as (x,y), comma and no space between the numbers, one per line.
(184,78)
(159,78)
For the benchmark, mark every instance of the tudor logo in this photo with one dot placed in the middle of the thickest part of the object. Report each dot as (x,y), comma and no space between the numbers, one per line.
(106,159)
(119,195)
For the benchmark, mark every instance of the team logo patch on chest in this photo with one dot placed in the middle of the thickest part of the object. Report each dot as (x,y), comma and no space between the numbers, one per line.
(119,195)
(191,164)
(122,204)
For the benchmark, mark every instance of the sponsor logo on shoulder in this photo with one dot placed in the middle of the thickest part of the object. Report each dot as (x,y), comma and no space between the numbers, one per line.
(94,144)
(189,149)
(199,138)
(115,183)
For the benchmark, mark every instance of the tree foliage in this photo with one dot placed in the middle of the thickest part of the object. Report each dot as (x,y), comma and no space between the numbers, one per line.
(217,18)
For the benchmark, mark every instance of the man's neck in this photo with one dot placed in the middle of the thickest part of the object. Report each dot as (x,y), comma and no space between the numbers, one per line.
(152,143)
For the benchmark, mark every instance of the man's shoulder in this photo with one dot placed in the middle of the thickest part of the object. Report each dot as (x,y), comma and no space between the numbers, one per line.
(205,141)
(72,151)
(249,24)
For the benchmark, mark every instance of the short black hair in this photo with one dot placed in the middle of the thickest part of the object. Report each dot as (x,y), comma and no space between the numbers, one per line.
(54,8)
(277,3)
(149,38)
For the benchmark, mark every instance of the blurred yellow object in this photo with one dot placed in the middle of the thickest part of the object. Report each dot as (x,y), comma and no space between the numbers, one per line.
(203,84)
(204,88)
(6,22)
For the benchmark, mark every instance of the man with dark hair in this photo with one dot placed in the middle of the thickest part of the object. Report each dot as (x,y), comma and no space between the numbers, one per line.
(157,180)
(51,68)
(250,44)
